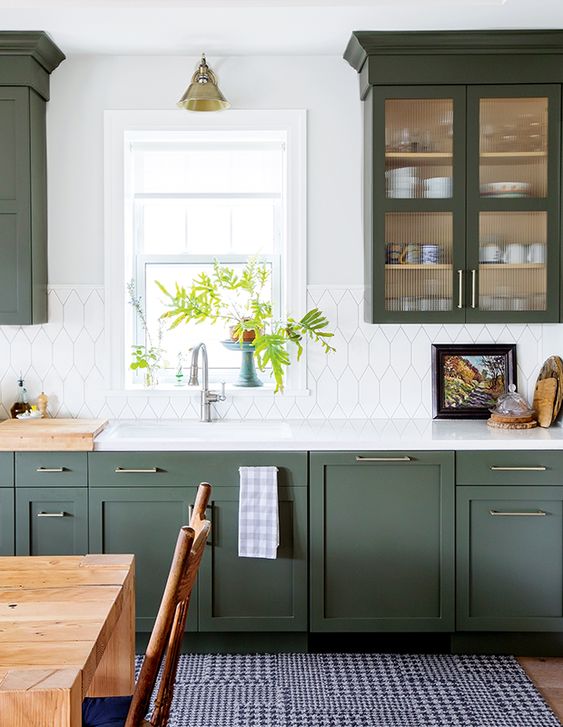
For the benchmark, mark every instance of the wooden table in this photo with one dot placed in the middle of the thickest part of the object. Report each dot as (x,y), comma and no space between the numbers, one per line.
(67,630)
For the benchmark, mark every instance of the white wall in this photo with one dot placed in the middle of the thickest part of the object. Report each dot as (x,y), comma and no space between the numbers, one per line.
(84,86)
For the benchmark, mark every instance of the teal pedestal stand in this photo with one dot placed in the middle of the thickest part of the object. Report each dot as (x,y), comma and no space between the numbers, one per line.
(247,374)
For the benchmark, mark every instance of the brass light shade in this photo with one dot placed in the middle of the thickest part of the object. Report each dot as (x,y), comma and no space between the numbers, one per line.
(203,93)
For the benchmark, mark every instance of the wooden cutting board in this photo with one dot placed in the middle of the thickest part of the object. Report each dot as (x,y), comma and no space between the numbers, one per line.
(45,435)
(552,369)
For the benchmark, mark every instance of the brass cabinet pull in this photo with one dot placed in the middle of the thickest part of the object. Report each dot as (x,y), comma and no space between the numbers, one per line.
(50,514)
(474,289)
(460,294)
(125,470)
(535,513)
(50,469)
(384,459)
(518,469)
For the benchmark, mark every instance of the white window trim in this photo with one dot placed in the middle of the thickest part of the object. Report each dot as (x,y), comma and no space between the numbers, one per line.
(116,124)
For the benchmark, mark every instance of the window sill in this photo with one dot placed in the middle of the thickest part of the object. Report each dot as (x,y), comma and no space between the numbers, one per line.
(194,391)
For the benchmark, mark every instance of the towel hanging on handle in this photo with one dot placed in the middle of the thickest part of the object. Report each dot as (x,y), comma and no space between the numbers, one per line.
(258,520)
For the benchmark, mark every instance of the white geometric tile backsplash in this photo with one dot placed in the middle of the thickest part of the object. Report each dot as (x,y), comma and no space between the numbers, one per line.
(376,372)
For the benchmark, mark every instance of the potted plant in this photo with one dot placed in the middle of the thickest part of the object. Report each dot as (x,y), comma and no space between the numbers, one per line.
(238,301)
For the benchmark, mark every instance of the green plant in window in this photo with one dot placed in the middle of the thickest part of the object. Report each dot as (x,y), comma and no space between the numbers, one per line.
(146,356)
(238,300)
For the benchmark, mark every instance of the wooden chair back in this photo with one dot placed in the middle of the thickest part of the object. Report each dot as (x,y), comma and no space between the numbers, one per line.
(168,630)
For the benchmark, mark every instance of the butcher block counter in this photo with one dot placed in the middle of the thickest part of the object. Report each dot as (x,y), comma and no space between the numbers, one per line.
(43,435)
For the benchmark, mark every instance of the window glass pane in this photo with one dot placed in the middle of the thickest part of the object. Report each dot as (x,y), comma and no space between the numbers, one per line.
(182,338)
(161,226)
(209,227)
(253,226)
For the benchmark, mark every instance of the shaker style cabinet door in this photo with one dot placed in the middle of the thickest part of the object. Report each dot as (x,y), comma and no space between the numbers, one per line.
(254,594)
(513,203)
(143,521)
(415,203)
(51,521)
(382,541)
(509,558)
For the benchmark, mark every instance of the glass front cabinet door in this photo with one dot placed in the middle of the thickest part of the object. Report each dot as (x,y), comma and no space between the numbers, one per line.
(463,182)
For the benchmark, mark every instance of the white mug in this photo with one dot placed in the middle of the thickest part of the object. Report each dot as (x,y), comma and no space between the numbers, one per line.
(490,253)
(536,253)
(515,254)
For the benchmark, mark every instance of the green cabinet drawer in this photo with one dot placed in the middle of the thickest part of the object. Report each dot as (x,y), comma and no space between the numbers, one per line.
(143,521)
(186,469)
(382,541)
(51,521)
(6,521)
(255,594)
(6,469)
(51,469)
(509,558)
(508,467)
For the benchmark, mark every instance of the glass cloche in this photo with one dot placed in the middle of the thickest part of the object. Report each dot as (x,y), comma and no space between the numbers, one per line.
(512,404)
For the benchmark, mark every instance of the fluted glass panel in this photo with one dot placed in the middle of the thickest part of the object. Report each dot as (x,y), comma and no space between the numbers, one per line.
(513,147)
(418,261)
(513,261)
(418,148)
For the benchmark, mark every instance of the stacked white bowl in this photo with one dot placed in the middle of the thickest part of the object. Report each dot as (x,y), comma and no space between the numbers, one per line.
(438,187)
(401,183)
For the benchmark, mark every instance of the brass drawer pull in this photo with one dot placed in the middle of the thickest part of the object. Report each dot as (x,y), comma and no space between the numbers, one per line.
(535,513)
(125,470)
(460,288)
(384,459)
(518,469)
(474,289)
(50,514)
(50,469)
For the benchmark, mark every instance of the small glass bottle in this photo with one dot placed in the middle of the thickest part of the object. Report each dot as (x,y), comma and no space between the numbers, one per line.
(21,406)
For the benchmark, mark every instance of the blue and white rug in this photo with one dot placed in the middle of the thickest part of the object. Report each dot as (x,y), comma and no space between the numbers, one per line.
(355,690)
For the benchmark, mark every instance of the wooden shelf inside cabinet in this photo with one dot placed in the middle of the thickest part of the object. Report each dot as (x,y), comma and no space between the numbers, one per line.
(512,266)
(419,266)
(513,155)
(419,156)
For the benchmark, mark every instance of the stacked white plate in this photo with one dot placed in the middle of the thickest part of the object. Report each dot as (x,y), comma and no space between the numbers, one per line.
(402,183)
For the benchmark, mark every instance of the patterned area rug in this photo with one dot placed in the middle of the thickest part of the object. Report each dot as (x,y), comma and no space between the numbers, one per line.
(355,690)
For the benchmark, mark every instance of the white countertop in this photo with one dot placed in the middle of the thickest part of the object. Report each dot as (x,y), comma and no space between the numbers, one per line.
(320,435)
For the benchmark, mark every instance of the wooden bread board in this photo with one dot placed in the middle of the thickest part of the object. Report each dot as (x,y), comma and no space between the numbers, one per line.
(515,425)
(44,435)
(547,403)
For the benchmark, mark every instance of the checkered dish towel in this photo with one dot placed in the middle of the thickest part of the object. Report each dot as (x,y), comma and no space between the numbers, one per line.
(258,515)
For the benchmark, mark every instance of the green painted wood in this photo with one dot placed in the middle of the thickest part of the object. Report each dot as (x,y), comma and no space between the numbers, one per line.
(551,205)
(31,466)
(37,535)
(6,521)
(378,205)
(475,468)
(255,594)
(6,469)
(38,182)
(509,568)
(144,521)
(392,568)
(190,468)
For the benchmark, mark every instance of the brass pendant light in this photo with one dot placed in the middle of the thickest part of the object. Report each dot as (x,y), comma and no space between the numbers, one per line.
(203,93)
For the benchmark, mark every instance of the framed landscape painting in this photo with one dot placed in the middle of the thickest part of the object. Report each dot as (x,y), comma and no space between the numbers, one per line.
(468,379)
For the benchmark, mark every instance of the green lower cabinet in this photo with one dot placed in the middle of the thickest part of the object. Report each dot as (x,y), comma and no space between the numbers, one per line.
(510,558)
(6,521)
(144,521)
(51,521)
(382,541)
(255,594)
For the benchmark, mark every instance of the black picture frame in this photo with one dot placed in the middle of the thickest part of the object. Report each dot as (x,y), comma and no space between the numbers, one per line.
(441,409)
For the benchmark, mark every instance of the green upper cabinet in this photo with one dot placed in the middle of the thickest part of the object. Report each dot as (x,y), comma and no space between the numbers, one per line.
(382,541)
(461,175)
(26,60)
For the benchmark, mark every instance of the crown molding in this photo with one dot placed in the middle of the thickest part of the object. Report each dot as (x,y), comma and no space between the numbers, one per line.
(33,43)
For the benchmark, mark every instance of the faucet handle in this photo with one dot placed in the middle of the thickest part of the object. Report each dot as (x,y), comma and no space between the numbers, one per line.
(222,396)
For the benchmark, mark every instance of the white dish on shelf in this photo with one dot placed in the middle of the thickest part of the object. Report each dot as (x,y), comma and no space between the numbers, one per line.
(504,189)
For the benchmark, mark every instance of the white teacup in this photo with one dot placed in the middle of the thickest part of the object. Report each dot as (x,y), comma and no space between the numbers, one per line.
(515,254)
(536,253)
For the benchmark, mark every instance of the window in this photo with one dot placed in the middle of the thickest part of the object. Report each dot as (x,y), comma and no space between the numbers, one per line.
(182,191)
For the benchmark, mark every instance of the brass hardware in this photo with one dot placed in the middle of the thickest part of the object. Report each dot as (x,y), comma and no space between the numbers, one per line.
(50,514)
(535,513)
(384,459)
(460,283)
(518,469)
(203,93)
(148,471)
(50,469)
(474,289)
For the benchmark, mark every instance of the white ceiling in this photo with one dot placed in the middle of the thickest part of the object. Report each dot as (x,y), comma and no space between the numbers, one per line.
(255,27)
